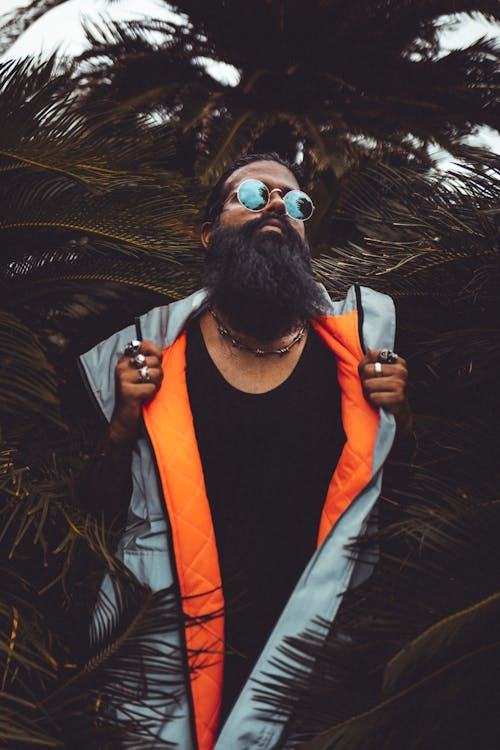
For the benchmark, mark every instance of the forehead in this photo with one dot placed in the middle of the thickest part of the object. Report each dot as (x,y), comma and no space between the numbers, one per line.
(274,175)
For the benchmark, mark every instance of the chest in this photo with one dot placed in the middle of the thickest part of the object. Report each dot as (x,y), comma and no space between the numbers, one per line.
(294,419)
(243,370)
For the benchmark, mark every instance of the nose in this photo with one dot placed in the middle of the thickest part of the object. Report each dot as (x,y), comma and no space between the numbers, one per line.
(276,202)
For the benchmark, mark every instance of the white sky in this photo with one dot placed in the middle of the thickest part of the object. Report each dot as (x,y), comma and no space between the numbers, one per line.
(62,26)
(61,29)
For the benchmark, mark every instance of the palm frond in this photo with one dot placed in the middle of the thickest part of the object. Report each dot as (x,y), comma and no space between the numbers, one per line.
(150,219)
(429,575)
(99,700)
(451,666)
(28,387)
(376,74)
(441,645)
(70,169)
(413,226)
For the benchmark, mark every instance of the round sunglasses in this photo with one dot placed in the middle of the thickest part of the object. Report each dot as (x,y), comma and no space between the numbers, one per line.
(255,196)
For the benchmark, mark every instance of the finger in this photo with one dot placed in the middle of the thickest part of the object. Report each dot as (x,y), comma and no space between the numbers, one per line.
(152,374)
(149,349)
(132,375)
(146,348)
(373,355)
(143,359)
(138,389)
(388,401)
(150,360)
(370,356)
(384,385)
(378,370)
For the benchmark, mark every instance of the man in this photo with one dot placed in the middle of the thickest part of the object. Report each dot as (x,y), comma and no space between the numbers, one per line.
(256,427)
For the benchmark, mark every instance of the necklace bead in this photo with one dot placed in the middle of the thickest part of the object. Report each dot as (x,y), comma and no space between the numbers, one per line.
(258,352)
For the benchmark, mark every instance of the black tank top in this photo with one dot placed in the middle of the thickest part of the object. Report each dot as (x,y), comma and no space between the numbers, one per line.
(267,461)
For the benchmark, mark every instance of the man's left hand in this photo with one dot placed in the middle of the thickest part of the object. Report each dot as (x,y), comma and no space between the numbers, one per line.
(385,385)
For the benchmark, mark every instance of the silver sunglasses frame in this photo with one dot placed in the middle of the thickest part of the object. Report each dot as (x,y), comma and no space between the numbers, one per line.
(269,192)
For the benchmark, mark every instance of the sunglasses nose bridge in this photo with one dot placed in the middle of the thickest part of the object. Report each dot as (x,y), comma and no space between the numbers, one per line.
(276,200)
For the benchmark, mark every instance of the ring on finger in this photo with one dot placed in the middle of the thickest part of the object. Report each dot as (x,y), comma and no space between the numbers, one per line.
(132,347)
(144,375)
(378,369)
(388,356)
(138,361)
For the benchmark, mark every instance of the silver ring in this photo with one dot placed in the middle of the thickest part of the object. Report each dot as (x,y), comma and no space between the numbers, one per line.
(144,375)
(388,356)
(138,361)
(132,347)
(378,369)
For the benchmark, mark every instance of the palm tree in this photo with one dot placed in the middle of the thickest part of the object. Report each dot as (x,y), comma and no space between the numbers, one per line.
(339,82)
(86,199)
(82,203)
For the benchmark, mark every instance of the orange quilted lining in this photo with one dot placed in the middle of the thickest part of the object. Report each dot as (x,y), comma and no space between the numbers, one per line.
(170,426)
(360,420)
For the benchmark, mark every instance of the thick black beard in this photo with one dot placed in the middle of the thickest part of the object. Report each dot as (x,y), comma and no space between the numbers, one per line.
(261,283)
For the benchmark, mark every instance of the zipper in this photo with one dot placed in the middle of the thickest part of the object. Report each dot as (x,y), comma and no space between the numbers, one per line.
(361,315)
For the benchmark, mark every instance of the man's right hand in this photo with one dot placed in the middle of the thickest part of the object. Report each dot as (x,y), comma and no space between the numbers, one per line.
(131,392)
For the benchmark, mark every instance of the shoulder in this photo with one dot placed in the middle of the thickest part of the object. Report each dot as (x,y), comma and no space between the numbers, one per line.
(376,315)
(161,325)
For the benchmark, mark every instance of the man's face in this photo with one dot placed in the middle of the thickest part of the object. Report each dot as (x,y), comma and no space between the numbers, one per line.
(258,270)
(273,175)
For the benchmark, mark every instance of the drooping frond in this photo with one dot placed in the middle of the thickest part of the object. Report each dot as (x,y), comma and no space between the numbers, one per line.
(337,75)
(413,227)
(98,700)
(421,626)
(69,169)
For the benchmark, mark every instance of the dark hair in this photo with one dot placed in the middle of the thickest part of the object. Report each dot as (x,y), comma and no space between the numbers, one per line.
(217,196)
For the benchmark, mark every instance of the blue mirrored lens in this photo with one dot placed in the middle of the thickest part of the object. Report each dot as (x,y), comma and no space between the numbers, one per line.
(253,194)
(298,205)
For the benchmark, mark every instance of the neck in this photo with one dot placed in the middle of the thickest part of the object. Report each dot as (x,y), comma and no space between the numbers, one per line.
(243,342)
(245,370)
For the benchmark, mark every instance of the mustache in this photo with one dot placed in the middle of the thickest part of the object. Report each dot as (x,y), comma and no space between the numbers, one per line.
(251,227)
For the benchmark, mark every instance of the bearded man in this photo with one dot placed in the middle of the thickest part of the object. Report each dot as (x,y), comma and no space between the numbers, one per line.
(250,423)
